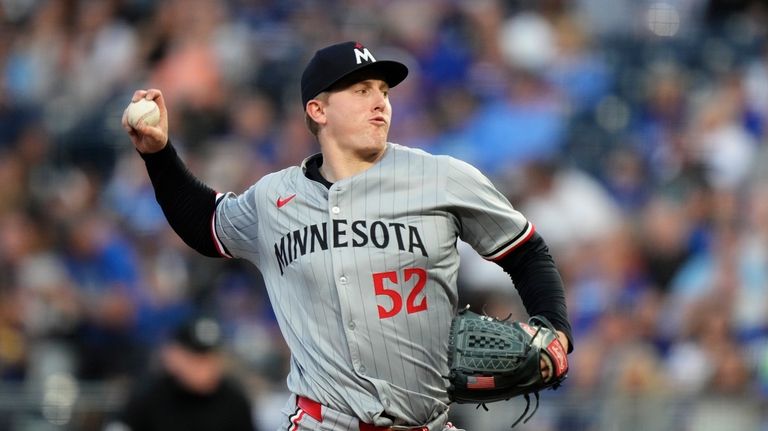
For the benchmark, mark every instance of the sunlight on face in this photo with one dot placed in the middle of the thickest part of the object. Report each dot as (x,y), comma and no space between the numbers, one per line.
(359,116)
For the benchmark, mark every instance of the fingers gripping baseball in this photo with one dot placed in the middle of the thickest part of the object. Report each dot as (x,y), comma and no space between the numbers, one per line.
(146,137)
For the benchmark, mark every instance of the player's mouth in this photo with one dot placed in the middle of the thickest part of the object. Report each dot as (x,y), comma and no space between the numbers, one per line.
(378,120)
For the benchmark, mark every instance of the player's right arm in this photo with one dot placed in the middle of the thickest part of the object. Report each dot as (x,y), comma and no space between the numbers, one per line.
(188,204)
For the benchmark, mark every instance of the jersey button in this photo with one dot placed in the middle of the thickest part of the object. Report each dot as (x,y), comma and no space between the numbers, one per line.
(335,210)
(343,280)
(352,325)
(361,369)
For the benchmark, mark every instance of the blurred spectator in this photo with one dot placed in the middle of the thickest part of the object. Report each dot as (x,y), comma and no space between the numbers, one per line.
(103,54)
(720,140)
(11,182)
(103,266)
(663,239)
(13,341)
(523,119)
(36,54)
(245,315)
(659,122)
(756,90)
(577,69)
(253,126)
(707,333)
(639,400)
(525,124)
(551,191)
(584,394)
(189,72)
(730,271)
(167,297)
(131,197)
(191,391)
(613,20)
(727,401)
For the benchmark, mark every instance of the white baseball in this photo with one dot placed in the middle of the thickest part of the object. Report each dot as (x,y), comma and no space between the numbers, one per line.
(143,110)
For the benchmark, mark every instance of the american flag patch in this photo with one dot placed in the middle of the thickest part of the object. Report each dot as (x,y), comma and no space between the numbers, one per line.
(482,382)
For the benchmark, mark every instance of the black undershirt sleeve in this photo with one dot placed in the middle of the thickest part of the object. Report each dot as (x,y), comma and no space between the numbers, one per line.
(187,203)
(539,283)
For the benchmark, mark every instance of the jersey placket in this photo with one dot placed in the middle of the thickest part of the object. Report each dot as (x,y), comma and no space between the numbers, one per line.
(342,265)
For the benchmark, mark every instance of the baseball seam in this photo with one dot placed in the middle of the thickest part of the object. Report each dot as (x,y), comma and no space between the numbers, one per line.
(146,114)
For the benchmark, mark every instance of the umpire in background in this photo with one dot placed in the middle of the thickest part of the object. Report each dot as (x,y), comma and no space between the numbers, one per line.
(191,391)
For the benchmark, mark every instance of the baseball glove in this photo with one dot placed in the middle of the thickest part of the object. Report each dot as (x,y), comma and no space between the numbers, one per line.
(493,360)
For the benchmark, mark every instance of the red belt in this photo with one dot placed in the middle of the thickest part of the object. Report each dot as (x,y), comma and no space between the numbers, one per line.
(314,410)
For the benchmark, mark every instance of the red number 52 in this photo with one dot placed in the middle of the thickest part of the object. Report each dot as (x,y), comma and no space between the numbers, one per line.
(397,300)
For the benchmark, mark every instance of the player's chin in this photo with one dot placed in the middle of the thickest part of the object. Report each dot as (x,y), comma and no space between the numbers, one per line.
(379,134)
(373,147)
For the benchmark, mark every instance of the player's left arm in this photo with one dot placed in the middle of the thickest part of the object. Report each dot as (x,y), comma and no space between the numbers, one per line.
(501,234)
(537,279)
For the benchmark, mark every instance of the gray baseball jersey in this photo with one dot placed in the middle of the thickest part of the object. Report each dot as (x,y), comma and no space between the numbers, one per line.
(362,276)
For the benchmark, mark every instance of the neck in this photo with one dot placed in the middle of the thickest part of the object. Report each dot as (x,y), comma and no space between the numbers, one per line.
(340,165)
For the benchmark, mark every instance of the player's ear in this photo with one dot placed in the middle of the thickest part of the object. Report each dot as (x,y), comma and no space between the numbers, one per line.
(316,111)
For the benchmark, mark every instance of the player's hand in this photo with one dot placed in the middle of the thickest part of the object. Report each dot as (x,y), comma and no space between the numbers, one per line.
(148,139)
(545,363)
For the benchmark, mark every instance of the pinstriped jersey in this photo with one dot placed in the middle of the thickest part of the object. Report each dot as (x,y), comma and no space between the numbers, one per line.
(362,275)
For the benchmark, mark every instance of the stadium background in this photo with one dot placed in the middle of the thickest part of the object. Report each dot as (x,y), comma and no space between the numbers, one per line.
(632,132)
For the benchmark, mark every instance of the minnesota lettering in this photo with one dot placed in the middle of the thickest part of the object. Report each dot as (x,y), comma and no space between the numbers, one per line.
(359,233)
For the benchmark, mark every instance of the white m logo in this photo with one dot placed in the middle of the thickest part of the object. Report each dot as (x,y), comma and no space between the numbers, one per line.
(363,55)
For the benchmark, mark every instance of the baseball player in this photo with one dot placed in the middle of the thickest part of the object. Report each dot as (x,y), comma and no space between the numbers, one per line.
(357,247)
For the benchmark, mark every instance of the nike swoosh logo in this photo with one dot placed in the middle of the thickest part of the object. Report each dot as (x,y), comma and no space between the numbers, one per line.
(281,202)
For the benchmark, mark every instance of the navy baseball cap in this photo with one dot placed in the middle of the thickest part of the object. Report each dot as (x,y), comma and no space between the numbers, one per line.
(333,63)
(200,335)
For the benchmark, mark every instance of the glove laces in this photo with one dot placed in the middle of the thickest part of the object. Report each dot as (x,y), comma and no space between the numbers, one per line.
(522,417)
(527,407)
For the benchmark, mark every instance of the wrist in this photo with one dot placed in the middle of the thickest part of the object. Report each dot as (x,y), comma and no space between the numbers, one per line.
(166,152)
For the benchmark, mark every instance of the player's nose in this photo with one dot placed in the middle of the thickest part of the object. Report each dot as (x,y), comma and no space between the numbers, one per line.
(380,100)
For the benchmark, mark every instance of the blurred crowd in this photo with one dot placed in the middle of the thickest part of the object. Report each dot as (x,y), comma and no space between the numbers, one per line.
(631,132)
